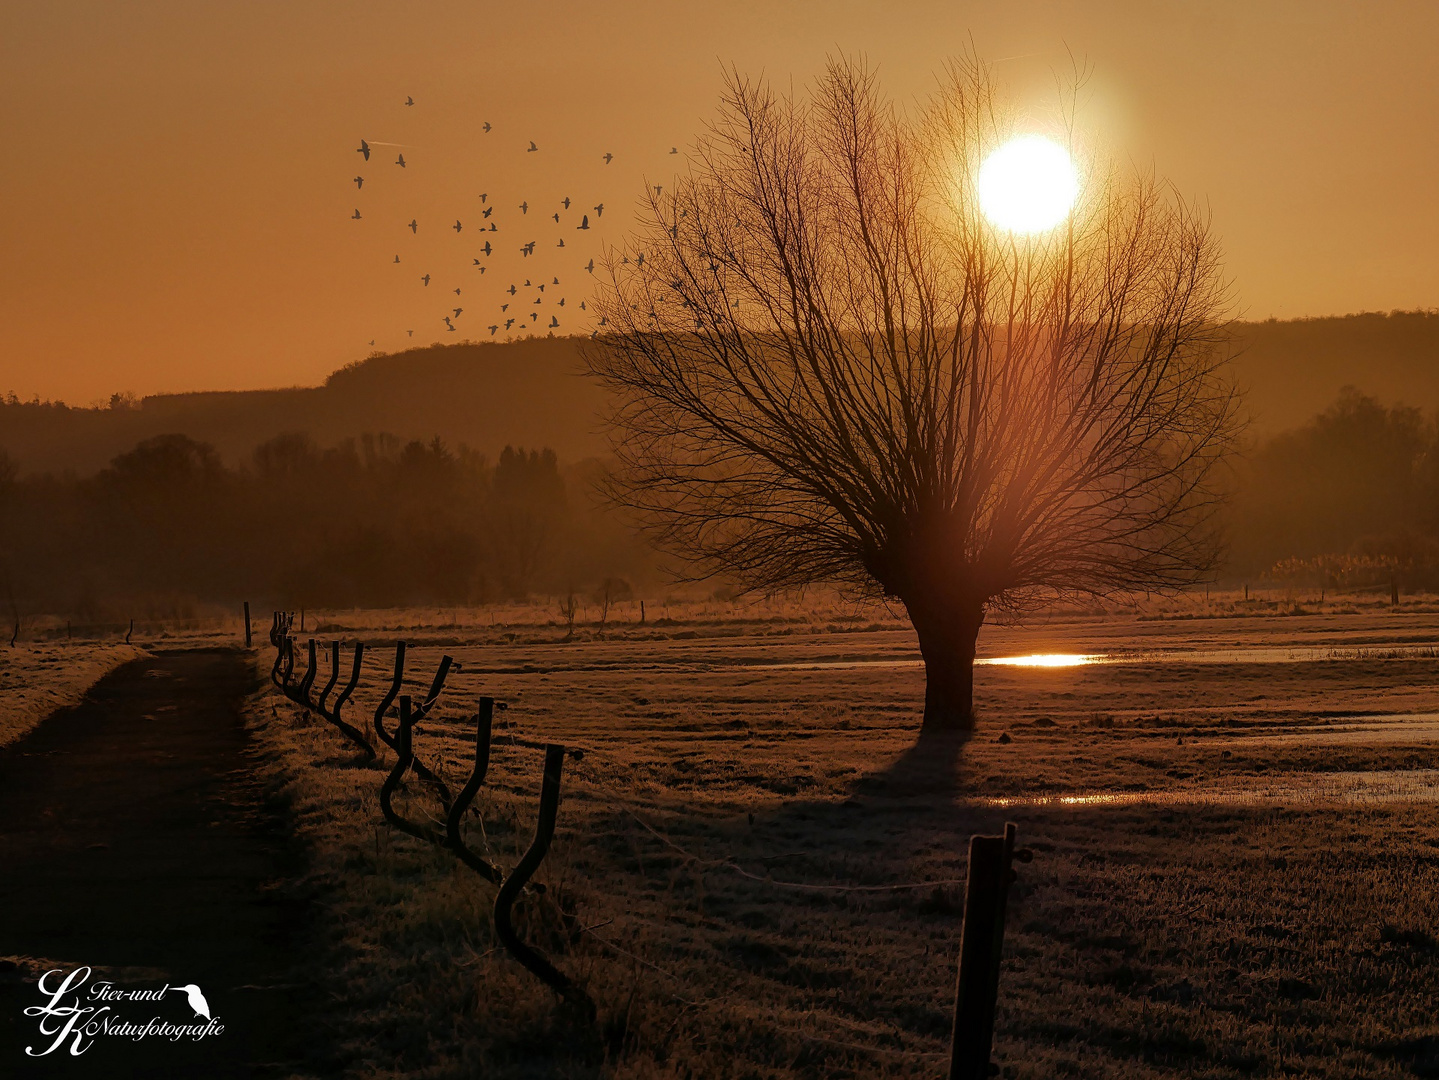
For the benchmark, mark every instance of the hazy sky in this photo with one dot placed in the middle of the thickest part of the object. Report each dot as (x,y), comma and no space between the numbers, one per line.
(176,185)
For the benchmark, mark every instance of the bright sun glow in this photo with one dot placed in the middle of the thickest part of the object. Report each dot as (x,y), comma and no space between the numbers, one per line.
(1028,185)
(1044,660)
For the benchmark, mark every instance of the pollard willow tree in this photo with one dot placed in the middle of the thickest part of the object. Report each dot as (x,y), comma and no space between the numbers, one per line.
(827,365)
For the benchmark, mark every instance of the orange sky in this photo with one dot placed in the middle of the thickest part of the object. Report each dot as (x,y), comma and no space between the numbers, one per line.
(176,183)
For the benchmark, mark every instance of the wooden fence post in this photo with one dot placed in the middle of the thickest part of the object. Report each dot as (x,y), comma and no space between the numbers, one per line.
(981,942)
(247,624)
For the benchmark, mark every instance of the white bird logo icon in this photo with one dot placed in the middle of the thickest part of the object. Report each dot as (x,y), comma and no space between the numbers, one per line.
(197,999)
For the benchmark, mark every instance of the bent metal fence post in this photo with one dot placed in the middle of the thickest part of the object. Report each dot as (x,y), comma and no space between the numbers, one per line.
(981,942)
(423,771)
(302,692)
(397,776)
(484,725)
(389,699)
(334,678)
(534,961)
(350,732)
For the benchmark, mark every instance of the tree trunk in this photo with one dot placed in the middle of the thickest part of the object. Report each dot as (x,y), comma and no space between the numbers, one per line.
(947,636)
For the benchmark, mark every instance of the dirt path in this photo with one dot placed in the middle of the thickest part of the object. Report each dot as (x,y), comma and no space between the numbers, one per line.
(133,839)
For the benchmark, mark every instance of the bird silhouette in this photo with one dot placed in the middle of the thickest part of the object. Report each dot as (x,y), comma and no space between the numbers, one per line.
(600,210)
(511,290)
(409,101)
(584,222)
(493,329)
(364,149)
(556,281)
(448,323)
(494,227)
(410,332)
(528,249)
(482,269)
(359,181)
(487,127)
(426,279)
(566,203)
(604,321)
(483,197)
(554,322)
(539,299)
(397,258)
(509,323)
(534,316)
(532,148)
(591,266)
(458,312)
(457,226)
(400,161)
(542,286)
(659,188)
(488,211)
(414,225)
(562,302)
(561,243)
(486,249)
(504,307)
(475,261)
(457,292)
(674,149)
(355,216)
(372,341)
(640,259)
(557,219)
(608,158)
(582,305)
(524,207)
(192,992)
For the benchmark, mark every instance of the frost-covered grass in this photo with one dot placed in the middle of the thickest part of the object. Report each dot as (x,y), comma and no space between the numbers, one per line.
(1184,933)
(36,678)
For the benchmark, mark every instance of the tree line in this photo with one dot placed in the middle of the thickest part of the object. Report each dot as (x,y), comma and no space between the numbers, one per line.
(370,522)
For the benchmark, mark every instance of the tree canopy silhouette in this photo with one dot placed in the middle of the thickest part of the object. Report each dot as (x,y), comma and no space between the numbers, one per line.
(829,366)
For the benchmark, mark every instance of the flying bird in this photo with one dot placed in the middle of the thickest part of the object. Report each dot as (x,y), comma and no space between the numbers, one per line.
(528,249)
(486,249)
(584,222)
(674,149)
(659,188)
(608,158)
(534,316)
(458,311)
(561,243)
(355,216)
(400,161)
(582,305)
(487,127)
(525,207)
(192,992)
(562,302)
(457,292)
(409,100)
(600,210)
(410,332)
(566,203)
(532,148)
(512,290)
(557,219)
(414,225)
(483,196)
(457,226)
(556,281)
(504,307)
(494,227)
(492,330)
(364,149)
(426,279)
(488,211)
(448,323)
(359,181)
(509,323)
(591,266)
(554,322)
(397,258)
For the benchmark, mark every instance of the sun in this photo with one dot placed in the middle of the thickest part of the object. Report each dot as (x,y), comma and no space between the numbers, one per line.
(1028,185)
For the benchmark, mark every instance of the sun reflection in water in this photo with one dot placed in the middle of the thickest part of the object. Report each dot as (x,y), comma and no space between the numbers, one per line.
(1045,660)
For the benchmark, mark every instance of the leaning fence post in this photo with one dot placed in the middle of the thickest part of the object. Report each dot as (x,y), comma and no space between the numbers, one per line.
(397,776)
(534,961)
(389,697)
(334,677)
(981,942)
(480,865)
(352,733)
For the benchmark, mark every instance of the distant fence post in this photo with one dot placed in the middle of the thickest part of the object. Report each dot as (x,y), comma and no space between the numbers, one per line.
(247,624)
(981,942)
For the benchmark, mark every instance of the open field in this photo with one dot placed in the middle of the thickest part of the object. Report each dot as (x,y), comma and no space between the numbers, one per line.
(1236,832)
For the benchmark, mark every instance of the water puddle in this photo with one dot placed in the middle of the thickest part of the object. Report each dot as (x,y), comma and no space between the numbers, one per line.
(1345,788)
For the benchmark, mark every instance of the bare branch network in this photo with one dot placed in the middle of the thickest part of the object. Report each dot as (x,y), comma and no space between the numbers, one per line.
(829,366)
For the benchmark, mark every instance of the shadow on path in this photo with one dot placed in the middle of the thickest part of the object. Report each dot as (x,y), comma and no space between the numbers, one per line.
(135,841)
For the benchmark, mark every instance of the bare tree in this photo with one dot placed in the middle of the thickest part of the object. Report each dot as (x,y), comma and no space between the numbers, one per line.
(829,366)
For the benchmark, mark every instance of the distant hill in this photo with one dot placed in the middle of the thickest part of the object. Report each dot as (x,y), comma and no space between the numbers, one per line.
(532,393)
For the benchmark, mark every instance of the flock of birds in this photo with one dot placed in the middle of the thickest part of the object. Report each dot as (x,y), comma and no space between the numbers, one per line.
(524,304)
